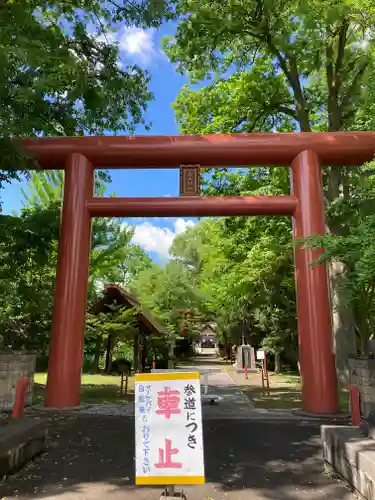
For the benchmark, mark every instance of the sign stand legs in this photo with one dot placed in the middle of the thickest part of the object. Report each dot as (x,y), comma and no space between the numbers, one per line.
(170,492)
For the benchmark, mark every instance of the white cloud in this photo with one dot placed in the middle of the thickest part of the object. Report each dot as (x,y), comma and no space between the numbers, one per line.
(138,43)
(181,225)
(159,239)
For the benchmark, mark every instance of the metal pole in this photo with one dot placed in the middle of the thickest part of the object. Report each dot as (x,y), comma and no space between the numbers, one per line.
(206,382)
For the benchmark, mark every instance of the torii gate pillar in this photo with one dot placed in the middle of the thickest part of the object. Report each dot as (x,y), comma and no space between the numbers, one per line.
(68,323)
(317,360)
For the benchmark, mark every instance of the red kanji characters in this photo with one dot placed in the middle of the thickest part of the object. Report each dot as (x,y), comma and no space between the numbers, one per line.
(165,457)
(168,403)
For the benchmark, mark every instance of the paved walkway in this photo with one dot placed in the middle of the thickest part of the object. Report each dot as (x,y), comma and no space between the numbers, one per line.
(91,456)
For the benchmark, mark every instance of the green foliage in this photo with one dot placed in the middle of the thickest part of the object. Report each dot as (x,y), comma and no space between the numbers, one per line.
(237,272)
(245,102)
(269,65)
(28,258)
(117,321)
(169,290)
(355,249)
(280,66)
(44,189)
(61,73)
(266,65)
(248,273)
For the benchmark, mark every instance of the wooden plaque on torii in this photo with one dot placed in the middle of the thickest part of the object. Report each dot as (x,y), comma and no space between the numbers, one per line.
(190,180)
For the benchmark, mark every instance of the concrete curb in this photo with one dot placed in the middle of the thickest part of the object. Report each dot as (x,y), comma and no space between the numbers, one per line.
(44,409)
(20,441)
(339,418)
(351,455)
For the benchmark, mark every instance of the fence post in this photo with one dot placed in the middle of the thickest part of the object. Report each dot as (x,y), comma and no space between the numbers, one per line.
(19,402)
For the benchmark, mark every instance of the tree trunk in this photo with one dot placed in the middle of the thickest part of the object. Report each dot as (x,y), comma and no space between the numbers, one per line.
(277,363)
(136,353)
(144,351)
(342,319)
(344,341)
(108,354)
(343,325)
(98,346)
(172,345)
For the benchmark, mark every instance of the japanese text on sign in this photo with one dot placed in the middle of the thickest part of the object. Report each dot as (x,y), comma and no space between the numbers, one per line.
(168,419)
(190,407)
(144,405)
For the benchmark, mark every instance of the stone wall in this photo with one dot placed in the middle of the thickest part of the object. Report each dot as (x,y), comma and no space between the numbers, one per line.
(13,365)
(351,455)
(362,374)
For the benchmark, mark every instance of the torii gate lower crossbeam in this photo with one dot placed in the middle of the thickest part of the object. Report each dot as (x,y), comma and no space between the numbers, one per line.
(305,152)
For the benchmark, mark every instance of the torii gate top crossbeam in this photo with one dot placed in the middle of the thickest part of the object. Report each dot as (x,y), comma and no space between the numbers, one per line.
(339,148)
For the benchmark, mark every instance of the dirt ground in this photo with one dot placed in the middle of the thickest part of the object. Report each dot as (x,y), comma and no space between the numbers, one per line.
(92,457)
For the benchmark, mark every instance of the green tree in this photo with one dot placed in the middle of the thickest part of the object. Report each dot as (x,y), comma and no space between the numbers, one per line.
(113,258)
(238,273)
(356,249)
(251,265)
(61,73)
(169,290)
(28,258)
(104,332)
(281,65)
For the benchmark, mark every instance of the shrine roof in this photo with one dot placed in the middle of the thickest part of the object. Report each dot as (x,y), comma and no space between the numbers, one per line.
(114,294)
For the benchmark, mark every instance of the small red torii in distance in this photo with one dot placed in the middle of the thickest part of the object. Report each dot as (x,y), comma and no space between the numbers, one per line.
(304,153)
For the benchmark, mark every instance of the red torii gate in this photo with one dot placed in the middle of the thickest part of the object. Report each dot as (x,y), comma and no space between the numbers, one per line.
(303,152)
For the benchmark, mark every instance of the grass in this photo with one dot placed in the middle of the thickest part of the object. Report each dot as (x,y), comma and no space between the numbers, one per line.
(95,389)
(284,392)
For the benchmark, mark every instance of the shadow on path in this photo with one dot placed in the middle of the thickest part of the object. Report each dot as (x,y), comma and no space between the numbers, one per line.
(92,458)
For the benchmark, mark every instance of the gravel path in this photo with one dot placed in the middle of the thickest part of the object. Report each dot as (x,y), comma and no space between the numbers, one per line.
(249,455)
(91,457)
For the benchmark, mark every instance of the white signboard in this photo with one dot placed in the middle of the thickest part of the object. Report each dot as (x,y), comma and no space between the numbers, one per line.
(260,355)
(168,428)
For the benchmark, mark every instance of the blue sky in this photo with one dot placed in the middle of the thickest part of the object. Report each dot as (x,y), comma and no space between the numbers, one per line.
(144,48)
